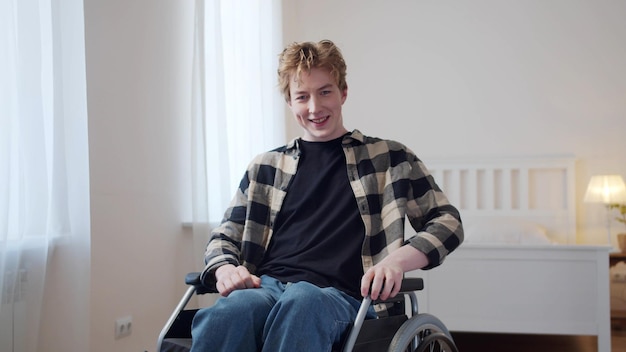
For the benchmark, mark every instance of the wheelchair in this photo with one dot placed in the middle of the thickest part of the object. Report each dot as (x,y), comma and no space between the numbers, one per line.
(394,332)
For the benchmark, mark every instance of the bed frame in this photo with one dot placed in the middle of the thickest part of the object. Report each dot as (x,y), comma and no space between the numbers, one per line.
(497,286)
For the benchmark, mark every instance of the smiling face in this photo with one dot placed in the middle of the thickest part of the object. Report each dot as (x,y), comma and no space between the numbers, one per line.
(316,102)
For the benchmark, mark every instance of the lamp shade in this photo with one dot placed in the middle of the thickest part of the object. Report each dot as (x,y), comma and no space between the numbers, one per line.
(607,189)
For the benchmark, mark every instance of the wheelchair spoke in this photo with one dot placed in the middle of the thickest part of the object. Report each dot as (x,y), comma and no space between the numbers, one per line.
(423,333)
(435,342)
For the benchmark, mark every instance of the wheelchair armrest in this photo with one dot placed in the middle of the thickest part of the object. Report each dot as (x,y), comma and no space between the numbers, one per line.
(193,279)
(409,286)
(412,284)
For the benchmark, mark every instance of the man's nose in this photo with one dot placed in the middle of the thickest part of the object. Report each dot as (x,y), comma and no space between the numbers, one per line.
(313,105)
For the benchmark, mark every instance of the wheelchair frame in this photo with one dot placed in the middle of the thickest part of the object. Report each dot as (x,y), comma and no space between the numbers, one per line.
(417,333)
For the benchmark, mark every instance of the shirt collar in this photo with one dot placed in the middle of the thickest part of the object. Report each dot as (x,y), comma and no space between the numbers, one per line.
(353,137)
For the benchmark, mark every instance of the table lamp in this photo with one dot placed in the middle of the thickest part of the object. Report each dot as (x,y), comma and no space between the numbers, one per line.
(608,190)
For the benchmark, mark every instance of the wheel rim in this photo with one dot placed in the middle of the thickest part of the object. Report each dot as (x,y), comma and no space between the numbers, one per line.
(422,332)
(430,341)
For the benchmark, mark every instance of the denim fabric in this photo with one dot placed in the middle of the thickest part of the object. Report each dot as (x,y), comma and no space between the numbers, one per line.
(276,317)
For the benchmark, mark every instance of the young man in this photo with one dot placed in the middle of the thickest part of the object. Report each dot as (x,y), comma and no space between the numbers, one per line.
(318,223)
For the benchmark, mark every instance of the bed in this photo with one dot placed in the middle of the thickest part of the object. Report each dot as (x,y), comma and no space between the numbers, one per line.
(520,269)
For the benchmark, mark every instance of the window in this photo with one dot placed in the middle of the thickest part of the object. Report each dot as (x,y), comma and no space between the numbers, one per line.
(238,110)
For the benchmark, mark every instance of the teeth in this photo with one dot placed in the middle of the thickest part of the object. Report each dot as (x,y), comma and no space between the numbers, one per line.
(320,120)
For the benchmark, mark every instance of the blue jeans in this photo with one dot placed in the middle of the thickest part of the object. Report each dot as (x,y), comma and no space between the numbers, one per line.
(276,317)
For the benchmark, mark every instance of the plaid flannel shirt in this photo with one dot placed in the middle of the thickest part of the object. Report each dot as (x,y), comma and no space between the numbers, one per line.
(389,183)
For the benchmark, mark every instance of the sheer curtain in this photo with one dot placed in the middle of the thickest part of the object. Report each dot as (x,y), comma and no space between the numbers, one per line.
(237,109)
(43,157)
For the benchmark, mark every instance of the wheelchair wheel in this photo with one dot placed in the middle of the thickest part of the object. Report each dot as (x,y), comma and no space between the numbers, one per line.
(423,332)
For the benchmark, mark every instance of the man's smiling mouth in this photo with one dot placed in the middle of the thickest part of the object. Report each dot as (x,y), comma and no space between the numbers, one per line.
(320,120)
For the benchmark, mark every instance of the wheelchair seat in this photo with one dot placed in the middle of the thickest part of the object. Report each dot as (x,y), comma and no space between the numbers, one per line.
(394,332)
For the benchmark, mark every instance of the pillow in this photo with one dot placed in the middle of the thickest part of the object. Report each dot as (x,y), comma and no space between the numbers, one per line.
(508,231)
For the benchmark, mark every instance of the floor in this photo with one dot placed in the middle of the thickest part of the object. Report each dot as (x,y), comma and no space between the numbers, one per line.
(474,342)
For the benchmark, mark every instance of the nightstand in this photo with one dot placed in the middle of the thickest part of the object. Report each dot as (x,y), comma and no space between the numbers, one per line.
(618,292)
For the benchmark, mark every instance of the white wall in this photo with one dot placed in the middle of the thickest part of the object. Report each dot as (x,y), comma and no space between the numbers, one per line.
(484,78)
(447,78)
(139,96)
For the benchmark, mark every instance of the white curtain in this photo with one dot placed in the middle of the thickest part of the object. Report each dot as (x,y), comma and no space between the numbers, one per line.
(43,159)
(237,109)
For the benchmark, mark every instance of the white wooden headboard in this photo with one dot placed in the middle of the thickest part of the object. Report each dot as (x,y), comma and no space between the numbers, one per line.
(540,191)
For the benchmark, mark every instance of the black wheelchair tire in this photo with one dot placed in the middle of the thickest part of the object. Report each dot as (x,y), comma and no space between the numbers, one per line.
(421,326)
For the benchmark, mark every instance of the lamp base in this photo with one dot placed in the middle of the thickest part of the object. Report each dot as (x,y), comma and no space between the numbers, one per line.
(621,241)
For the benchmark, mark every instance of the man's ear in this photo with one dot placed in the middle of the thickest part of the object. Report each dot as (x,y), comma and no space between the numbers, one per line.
(344,94)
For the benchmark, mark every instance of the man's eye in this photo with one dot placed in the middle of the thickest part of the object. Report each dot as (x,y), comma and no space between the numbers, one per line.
(326,92)
(301,97)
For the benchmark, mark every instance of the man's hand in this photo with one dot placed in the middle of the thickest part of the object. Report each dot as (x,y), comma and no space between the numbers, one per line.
(230,278)
(381,281)
(384,279)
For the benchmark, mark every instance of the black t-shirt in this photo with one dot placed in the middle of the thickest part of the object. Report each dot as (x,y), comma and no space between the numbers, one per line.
(318,233)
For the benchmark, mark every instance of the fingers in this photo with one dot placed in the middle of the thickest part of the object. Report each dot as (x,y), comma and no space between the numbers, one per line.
(366,282)
(231,278)
(381,282)
(382,287)
(256,281)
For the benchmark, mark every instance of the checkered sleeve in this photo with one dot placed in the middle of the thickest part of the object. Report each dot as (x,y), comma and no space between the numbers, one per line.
(390,184)
(436,221)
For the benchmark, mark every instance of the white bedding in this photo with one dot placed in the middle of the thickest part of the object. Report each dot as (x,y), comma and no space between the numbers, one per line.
(506,231)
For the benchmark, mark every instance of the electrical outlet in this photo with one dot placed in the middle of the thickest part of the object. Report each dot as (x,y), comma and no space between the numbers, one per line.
(123,327)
